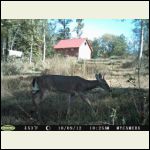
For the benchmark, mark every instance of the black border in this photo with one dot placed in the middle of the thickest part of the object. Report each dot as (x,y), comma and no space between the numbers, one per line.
(78,128)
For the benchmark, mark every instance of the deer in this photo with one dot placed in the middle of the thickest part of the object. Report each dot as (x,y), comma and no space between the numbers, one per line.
(72,85)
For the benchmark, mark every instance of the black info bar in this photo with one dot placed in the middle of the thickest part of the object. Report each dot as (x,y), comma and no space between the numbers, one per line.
(74,128)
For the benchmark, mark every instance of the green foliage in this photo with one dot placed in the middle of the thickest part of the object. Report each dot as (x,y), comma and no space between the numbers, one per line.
(51,37)
(22,33)
(17,34)
(64,31)
(138,23)
(113,115)
(79,27)
(96,47)
(12,67)
(109,45)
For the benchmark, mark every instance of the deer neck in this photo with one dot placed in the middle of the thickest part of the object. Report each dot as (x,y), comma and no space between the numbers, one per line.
(92,84)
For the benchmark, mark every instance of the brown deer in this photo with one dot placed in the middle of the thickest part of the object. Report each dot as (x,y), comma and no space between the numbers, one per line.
(73,85)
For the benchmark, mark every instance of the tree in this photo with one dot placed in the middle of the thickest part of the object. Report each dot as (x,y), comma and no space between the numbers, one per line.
(106,44)
(5,26)
(20,34)
(79,27)
(109,45)
(96,48)
(120,45)
(146,37)
(34,37)
(9,31)
(64,31)
(141,25)
(44,42)
(113,45)
(141,33)
(51,36)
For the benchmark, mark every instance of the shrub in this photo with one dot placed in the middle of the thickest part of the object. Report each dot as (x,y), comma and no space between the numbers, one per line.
(11,68)
(128,64)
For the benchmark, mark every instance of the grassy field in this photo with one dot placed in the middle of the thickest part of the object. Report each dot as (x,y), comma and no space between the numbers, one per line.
(127,104)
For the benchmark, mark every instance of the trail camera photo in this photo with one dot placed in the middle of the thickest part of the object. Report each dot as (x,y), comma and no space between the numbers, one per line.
(74,72)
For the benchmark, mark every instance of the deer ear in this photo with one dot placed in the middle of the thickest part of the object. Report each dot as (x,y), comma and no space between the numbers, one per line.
(97,76)
(100,76)
(104,75)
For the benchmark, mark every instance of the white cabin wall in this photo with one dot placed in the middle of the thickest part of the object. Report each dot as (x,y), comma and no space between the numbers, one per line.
(84,51)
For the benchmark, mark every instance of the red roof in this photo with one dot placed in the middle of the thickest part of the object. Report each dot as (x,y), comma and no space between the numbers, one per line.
(69,43)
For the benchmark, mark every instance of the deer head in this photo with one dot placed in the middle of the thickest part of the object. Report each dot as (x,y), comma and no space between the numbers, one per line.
(102,81)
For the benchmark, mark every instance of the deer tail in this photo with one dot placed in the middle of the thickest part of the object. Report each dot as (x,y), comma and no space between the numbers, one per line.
(33,82)
(35,86)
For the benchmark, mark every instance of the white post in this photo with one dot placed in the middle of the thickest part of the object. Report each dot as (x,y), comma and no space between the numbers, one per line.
(31,49)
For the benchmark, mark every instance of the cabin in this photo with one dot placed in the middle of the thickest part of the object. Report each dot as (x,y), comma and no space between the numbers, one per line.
(79,47)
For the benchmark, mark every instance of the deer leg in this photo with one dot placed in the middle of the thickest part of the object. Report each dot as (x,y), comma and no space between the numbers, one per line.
(69,103)
(38,112)
(36,98)
(83,97)
(69,100)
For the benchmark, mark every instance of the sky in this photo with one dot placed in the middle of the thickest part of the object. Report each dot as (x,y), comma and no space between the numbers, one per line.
(94,28)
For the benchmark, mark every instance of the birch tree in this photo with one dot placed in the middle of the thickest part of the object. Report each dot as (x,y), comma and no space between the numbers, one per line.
(44,42)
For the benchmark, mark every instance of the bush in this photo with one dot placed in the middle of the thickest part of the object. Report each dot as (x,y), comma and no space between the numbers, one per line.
(12,68)
(114,57)
(128,64)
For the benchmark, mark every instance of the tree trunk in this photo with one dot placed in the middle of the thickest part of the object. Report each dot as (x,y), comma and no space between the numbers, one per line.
(140,52)
(141,41)
(31,49)
(3,49)
(12,43)
(44,48)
